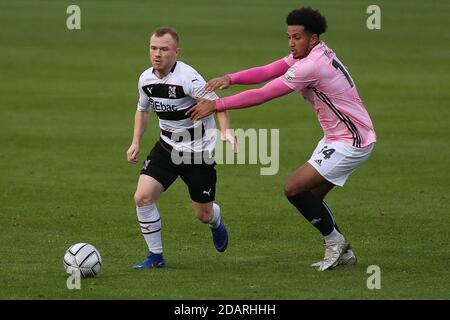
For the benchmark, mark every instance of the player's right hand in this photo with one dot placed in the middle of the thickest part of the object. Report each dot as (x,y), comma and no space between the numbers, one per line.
(132,153)
(218,83)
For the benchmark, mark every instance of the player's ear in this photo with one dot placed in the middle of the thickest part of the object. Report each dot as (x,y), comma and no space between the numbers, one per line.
(314,39)
(177,51)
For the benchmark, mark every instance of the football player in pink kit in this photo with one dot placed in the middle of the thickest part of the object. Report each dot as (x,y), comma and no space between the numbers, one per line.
(313,70)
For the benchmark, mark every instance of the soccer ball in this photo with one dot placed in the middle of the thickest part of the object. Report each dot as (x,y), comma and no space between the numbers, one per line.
(83,258)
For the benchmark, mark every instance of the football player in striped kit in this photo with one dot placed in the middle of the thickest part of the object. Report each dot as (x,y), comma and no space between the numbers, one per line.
(313,70)
(167,89)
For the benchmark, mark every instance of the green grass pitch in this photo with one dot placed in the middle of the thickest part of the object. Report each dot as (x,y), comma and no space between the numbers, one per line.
(67,101)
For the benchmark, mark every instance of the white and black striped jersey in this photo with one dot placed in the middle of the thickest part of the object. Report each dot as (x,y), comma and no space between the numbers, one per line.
(170,98)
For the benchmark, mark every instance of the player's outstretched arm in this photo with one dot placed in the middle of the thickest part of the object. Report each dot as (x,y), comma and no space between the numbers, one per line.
(274,89)
(249,76)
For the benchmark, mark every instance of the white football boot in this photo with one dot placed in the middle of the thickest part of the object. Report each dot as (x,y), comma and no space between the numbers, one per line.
(348,258)
(333,252)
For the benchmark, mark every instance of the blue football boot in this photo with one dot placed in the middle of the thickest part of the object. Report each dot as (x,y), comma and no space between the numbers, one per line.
(220,237)
(154,260)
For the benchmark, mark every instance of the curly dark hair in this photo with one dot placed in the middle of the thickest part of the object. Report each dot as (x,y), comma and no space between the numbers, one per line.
(310,19)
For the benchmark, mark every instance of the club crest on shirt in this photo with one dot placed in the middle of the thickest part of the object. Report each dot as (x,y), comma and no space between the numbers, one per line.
(172,92)
(289,75)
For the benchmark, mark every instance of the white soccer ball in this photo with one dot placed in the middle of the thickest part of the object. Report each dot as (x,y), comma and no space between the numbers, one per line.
(83,258)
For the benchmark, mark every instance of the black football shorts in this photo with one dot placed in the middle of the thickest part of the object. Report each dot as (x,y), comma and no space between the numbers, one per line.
(200,178)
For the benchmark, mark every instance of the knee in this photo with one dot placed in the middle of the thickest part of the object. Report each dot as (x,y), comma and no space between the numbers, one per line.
(290,189)
(142,200)
(295,186)
(204,215)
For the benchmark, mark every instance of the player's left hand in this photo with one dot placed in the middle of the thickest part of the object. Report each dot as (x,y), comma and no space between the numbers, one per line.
(228,137)
(203,109)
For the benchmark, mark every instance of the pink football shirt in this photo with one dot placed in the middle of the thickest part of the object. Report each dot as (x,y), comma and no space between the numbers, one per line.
(326,84)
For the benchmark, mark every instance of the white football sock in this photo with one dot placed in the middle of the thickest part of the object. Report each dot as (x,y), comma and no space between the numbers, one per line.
(150,223)
(215,219)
